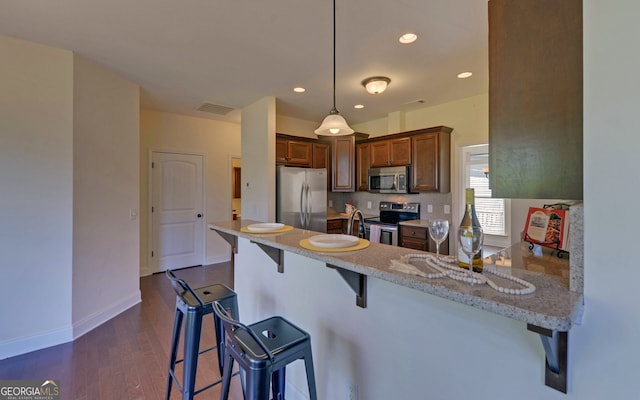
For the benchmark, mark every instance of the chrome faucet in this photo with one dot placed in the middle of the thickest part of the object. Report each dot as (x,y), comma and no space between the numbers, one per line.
(361,229)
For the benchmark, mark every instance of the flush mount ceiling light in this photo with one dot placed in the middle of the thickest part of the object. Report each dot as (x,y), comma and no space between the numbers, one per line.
(376,84)
(408,38)
(299,89)
(463,75)
(334,124)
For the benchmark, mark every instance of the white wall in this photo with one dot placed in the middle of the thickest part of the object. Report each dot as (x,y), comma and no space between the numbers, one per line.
(36,177)
(217,141)
(259,155)
(605,349)
(106,185)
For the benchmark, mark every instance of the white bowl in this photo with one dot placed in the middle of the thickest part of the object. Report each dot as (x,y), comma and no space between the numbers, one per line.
(265,227)
(331,241)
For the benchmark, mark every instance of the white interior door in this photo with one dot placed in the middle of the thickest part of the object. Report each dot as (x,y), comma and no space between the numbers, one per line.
(177,212)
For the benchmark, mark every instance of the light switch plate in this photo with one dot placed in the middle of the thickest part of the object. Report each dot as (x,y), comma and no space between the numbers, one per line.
(368,204)
(330,203)
(429,208)
(447,209)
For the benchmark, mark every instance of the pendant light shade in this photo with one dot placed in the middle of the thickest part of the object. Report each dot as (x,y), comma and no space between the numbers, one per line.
(334,124)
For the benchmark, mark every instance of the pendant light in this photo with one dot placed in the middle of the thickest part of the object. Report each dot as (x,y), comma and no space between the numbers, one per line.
(334,124)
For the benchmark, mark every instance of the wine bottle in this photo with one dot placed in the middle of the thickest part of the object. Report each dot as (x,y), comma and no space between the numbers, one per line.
(470,219)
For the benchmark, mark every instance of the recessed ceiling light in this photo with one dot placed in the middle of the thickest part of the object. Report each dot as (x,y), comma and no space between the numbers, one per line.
(408,38)
(463,75)
(359,106)
(299,89)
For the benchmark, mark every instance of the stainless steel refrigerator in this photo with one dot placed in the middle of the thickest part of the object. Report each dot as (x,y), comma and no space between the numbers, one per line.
(302,197)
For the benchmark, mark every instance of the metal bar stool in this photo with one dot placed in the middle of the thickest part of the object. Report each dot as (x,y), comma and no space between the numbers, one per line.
(263,350)
(195,304)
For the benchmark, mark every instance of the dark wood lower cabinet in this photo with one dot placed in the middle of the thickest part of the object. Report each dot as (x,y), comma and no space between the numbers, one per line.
(417,238)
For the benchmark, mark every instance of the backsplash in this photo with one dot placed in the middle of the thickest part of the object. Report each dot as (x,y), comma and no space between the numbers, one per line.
(360,200)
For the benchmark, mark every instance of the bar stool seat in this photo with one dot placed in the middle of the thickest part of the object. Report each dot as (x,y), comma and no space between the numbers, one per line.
(263,350)
(195,304)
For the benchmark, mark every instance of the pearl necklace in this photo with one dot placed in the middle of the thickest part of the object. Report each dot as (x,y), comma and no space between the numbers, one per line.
(446,269)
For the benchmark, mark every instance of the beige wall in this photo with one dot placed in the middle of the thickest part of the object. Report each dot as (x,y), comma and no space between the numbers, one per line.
(259,165)
(296,126)
(36,177)
(105,189)
(68,164)
(218,142)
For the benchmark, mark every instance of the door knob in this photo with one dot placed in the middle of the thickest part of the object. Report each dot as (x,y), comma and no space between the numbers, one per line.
(199,215)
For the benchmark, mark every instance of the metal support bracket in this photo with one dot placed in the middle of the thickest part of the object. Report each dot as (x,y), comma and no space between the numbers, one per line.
(231,239)
(555,345)
(356,281)
(276,255)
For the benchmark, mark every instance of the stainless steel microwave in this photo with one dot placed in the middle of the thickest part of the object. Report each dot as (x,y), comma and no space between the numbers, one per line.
(389,180)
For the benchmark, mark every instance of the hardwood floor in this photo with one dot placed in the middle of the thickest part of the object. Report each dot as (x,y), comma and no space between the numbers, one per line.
(128,356)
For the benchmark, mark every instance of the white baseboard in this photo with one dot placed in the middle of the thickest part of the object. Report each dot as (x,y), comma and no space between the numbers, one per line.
(24,345)
(145,270)
(293,393)
(55,337)
(98,318)
(216,260)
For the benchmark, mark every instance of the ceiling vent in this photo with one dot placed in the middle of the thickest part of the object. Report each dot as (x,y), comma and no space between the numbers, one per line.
(214,109)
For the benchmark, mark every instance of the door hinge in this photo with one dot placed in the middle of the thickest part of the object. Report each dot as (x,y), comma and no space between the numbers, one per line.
(153,165)
(151,253)
(151,208)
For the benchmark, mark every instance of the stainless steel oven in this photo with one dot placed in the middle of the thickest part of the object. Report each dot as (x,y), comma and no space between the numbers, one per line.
(391,214)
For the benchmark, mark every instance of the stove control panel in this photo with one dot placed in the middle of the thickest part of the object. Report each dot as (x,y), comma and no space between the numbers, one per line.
(403,207)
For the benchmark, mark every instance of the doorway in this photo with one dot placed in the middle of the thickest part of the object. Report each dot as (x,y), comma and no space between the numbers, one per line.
(177,213)
(236,187)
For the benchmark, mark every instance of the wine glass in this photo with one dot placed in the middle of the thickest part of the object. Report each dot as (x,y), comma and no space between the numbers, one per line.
(438,230)
(470,239)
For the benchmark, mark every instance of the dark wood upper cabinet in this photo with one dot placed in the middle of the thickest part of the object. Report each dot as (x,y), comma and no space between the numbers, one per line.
(431,168)
(535,99)
(320,155)
(389,153)
(296,151)
(363,163)
(343,162)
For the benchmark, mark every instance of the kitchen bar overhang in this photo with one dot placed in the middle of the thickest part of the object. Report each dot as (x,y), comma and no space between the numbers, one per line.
(550,311)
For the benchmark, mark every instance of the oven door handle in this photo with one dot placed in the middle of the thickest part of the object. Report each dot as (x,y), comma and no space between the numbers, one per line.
(395,182)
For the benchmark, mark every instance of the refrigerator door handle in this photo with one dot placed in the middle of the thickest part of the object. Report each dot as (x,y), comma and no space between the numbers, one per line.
(302,217)
(309,203)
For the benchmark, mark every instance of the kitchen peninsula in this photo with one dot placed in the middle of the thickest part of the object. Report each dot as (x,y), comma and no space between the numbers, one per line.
(405,306)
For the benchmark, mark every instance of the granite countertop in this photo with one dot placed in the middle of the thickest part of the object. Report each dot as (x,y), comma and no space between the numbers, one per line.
(552,305)
(422,223)
(336,215)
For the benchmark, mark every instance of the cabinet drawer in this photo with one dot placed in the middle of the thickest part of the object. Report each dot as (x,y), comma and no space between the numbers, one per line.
(415,232)
(416,244)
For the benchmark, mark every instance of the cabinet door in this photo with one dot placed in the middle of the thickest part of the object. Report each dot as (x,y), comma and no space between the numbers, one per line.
(363,163)
(379,152)
(342,163)
(281,151)
(320,155)
(299,153)
(431,166)
(535,99)
(424,175)
(334,226)
(400,151)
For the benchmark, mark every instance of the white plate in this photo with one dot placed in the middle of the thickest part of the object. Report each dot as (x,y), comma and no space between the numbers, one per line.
(265,227)
(333,241)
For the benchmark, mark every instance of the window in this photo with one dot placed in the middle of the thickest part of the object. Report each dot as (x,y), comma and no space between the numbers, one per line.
(492,213)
